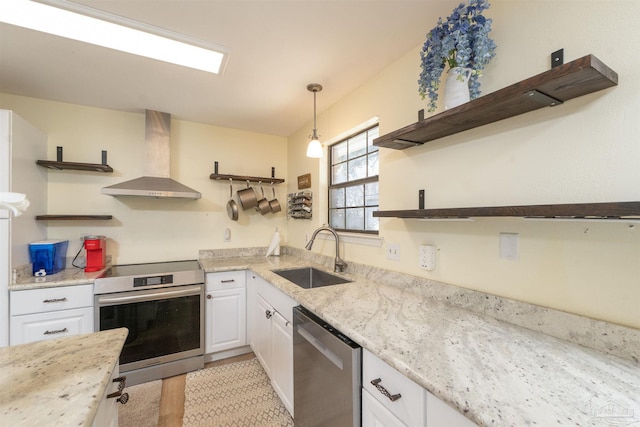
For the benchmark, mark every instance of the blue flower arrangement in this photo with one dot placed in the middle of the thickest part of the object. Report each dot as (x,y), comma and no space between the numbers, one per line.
(460,41)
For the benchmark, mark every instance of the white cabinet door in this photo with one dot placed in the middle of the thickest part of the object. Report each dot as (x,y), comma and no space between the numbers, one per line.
(282,359)
(225,320)
(56,324)
(252,293)
(374,414)
(262,333)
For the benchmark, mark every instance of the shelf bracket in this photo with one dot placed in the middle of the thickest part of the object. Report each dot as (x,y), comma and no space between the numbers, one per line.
(543,99)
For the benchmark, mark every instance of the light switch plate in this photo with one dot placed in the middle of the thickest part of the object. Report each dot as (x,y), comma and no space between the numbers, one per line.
(393,251)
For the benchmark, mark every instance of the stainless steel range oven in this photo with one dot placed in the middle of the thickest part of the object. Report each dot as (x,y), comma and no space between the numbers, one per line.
(162,305)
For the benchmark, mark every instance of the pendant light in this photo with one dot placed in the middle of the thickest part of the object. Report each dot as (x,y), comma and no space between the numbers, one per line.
(314,149)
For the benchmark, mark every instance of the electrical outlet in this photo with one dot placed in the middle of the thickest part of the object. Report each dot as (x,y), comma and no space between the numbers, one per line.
(393,251)
(509,246)
(427,257)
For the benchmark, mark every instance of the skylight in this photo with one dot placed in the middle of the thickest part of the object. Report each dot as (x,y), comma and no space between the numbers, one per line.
(77,22)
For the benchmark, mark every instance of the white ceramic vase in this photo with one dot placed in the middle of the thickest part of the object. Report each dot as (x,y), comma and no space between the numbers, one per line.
(456,89)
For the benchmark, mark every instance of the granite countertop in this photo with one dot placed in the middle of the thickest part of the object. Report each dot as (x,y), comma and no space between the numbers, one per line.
(57,382)
(67,277)
(492,371)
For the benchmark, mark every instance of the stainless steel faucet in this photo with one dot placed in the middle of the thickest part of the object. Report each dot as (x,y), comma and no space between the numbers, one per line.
(339,265)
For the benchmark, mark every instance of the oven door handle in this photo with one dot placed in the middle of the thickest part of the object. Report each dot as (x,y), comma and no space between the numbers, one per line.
(192,290)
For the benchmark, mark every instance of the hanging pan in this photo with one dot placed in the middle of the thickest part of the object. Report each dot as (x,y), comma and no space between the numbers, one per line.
(274,203)
(232,206)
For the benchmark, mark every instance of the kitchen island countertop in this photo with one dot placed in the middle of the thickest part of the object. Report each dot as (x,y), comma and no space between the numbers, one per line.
(58,382)
(494,372)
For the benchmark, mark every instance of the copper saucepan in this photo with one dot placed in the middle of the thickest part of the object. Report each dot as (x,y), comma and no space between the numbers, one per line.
(247,196)
(263,204)
(274,203)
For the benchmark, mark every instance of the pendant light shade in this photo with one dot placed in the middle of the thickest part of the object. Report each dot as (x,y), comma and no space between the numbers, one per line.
(314,149)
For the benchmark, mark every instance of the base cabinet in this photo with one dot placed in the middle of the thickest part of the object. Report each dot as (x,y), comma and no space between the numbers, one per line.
(282,359)
(42,314)
(225,311)
(107,415)
(390,399)
(271,335)
(261,335)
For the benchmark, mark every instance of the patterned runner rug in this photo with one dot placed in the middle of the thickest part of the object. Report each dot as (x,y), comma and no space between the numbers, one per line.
(235,395)
(143,407)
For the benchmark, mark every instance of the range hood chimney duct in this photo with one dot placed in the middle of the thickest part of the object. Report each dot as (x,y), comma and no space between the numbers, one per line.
(156,182)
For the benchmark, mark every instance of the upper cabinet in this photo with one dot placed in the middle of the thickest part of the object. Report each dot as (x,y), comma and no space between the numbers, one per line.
(551,88)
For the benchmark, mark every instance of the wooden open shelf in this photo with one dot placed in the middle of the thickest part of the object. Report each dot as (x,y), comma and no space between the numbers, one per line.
(51,164)
(615,210)
(73,217)
(60,164)
(553,87)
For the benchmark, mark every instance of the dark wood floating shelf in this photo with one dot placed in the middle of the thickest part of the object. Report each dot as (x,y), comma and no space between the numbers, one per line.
(615,210)
(60,164)
(562,83)
(73,217)
(52,164)
(222,177)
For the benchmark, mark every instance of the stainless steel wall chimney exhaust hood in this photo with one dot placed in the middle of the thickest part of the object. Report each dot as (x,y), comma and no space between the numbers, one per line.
(156,182)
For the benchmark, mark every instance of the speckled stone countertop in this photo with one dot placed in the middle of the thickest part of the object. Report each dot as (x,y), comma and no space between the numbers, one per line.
(494,372)
(67,277)
(57,382)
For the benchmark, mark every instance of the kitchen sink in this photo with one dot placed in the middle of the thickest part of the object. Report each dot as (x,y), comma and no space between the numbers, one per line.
(309,277)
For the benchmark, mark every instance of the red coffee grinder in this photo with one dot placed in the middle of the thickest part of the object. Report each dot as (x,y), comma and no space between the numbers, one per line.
(96,249)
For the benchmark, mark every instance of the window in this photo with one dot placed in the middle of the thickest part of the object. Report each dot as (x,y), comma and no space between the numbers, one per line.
(353,183)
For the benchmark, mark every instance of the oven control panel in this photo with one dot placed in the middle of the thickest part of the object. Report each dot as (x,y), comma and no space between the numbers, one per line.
(166,279)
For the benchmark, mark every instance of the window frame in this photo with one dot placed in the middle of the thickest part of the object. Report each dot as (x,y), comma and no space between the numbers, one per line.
(352,183)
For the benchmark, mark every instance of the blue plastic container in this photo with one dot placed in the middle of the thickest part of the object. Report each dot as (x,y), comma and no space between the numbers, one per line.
(48,255)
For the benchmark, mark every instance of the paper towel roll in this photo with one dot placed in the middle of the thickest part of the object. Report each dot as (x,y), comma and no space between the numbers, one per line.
(274,246)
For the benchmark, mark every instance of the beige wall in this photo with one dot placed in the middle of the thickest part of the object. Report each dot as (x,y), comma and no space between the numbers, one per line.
(586,150)
(146,230)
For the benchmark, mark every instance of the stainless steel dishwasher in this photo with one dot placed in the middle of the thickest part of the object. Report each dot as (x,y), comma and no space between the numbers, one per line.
(327,374)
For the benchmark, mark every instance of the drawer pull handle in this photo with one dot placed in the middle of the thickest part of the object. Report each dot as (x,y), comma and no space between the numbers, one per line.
(122,397)
(381,389)
(228,281)
(59,331)
(209,296)
(48,301)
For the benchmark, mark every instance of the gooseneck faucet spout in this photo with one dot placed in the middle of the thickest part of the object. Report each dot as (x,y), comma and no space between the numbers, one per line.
(339,265)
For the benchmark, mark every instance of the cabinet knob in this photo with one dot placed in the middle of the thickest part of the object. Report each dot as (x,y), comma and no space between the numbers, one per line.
(381,389)
(209,296)
(268,314)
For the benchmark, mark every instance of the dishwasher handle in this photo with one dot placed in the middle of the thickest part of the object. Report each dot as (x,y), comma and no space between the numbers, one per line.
(326,352)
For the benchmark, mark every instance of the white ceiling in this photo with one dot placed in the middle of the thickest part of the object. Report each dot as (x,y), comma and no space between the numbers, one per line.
(276,49)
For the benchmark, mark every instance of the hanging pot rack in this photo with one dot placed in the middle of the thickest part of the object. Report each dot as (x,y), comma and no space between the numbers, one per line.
(265,180)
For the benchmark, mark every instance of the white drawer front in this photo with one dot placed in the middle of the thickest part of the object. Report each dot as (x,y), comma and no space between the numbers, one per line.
(410,407)
(50,299)
(44,326)
(226,280)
